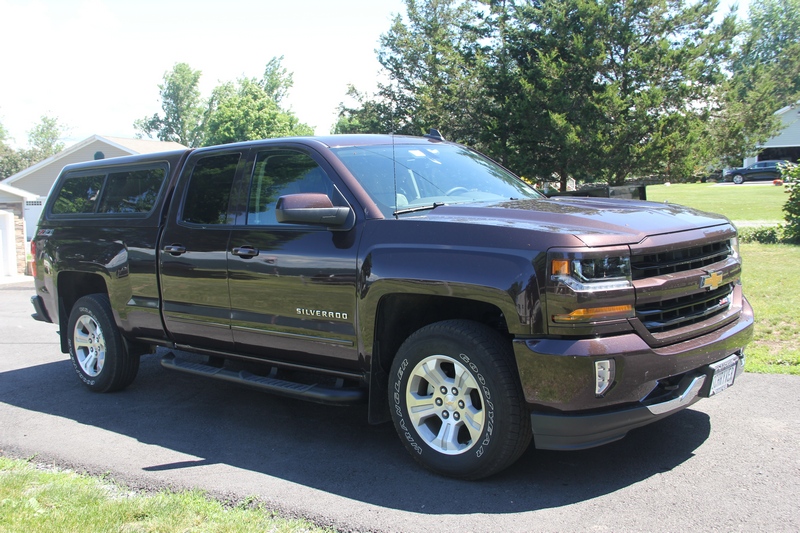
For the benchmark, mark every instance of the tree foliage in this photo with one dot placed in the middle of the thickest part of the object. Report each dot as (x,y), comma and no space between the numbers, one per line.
(245,110)
(588,89)
(791,233)
(766,77)
(44,140)
(183,109)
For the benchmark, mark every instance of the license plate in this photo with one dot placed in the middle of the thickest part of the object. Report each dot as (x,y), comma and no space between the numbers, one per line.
(724,374)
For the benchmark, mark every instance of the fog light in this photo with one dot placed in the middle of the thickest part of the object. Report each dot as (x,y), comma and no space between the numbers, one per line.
(603,375)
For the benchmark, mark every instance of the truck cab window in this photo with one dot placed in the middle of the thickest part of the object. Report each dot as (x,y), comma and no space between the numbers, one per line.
(278,173)
(209,190)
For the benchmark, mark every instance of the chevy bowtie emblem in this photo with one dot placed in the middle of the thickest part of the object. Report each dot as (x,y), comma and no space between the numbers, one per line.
(712,281)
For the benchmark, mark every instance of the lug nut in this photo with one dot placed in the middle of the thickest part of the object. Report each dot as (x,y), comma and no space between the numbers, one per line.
(439,402)
(455,391)
(456,416)
(461,404)
(445,414)
(443,389)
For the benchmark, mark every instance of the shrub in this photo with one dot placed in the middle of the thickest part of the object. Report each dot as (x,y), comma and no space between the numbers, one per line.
(762,235)
(791,175)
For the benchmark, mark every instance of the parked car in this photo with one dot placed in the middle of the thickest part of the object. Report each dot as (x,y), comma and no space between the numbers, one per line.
(763,170)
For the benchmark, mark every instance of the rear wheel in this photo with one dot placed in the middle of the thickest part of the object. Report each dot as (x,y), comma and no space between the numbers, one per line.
(456,400)
(96,349)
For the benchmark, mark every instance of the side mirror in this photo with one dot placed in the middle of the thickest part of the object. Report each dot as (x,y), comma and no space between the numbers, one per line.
(311,208)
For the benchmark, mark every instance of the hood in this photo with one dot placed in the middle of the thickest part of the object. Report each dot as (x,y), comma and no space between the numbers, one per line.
(595,221)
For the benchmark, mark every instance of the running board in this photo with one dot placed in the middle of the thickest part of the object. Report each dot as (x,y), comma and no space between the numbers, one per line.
(314,392)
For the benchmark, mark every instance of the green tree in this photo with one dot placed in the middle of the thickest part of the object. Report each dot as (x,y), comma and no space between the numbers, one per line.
(183,109)
(247,111)
(429,83)
(766,77)
(615,89)
(44,141)
(277,80)
(10,162)
(369,116)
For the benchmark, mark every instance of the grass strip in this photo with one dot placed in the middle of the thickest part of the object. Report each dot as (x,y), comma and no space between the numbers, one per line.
(45,500)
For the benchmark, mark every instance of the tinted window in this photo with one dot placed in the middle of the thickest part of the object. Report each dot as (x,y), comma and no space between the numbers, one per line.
(132,191)
(278,173)
(209,190)
(78,195)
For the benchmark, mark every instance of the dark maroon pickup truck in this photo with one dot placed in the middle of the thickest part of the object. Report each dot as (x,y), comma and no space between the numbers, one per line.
(410,273)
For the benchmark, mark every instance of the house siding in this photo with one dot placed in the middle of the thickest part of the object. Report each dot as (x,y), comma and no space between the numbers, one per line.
(790,134)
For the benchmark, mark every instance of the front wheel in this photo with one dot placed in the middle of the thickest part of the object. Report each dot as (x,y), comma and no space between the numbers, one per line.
(96,349)
(456,400)
(738,180)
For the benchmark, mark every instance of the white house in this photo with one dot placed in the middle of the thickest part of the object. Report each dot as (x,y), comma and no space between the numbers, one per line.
(22,195)
(785,145)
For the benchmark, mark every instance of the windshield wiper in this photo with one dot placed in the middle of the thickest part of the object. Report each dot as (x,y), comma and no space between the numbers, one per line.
(434,205)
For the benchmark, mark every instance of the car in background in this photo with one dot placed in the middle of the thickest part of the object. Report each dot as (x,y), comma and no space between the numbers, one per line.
(762,170)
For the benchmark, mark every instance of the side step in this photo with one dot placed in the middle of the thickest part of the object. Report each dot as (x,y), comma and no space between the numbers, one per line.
(314,392)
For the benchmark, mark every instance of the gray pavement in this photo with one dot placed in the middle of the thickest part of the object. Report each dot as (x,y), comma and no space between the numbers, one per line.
(730,463)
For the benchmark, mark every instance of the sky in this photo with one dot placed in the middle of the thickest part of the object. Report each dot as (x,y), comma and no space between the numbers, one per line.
(96,64)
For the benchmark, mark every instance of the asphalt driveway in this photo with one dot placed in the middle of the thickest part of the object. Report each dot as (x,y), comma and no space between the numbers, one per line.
(728,463)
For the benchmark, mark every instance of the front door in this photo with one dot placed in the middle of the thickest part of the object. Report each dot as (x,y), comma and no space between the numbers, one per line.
(292,287)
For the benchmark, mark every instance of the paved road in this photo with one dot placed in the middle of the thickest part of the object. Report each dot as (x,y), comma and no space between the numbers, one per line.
(731,463)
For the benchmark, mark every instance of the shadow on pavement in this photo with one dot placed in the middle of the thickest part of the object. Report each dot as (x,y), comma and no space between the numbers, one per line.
(333,449)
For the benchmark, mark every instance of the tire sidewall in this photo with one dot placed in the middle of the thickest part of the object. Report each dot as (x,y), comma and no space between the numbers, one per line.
(472,462)
(102,381)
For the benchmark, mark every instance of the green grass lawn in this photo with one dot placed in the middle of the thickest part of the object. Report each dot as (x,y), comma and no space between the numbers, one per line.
(748,203)
(50,500)
(771,282)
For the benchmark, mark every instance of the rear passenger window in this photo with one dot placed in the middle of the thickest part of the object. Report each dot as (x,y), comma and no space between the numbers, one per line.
(133,191)
(78,195)
(209,190)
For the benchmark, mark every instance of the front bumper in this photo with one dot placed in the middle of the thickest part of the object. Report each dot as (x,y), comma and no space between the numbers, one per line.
(558,380)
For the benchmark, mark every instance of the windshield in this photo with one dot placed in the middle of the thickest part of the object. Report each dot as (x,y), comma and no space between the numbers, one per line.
(407,176)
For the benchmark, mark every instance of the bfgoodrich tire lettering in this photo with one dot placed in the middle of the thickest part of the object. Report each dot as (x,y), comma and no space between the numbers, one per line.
(456,401)
(96,348)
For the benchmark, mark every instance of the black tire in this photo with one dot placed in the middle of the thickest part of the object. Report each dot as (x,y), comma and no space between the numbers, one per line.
(96,348)
(738,179)
(468,419)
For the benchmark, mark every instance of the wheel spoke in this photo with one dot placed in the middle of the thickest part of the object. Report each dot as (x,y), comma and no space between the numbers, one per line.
(418,405)
(432,373)
(82,339)
(473,420)
(89,364)
(446,440)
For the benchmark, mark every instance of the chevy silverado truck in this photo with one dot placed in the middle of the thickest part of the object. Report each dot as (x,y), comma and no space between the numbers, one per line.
(412,274)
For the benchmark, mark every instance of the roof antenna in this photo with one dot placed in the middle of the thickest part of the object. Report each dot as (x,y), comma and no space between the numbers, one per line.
(435,135)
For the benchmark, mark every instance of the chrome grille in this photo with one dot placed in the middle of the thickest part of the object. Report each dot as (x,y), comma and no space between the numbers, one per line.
(674,261)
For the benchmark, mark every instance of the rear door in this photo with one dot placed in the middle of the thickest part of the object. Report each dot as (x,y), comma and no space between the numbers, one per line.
(193,251)
(292,286)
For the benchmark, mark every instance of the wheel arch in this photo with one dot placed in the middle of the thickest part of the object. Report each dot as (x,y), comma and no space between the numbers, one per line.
(71,287)
(399,315)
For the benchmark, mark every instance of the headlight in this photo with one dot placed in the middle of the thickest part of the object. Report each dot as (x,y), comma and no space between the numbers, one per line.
(589,288)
